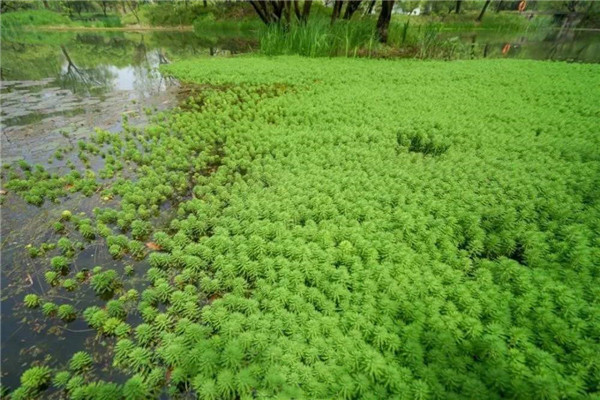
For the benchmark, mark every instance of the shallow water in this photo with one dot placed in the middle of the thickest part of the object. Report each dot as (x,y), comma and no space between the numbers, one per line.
(55,88)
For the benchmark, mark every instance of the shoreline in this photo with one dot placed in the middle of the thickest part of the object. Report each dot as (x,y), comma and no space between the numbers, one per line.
(132,28)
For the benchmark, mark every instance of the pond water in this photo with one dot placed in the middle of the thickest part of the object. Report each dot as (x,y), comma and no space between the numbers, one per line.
(56,86)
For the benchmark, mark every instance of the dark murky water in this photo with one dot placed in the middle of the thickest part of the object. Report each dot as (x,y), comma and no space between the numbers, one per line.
(55,87)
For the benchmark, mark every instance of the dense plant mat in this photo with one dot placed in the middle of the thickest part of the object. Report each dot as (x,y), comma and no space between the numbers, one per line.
(343,229)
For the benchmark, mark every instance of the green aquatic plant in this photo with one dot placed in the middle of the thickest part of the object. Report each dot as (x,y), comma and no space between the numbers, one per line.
(32,300)
(69,284)
(82,275)
(66,247)
(97,390)
(136,388)
(116,251)
(59,263)
(87,231)
(445,251)
(95,317)
(36,378)
(115,308)
(75,382)
(49,309)
(66,312)
(110,326)
(58,227)
(80,361)
(140,230)
(136,249)
(122,330)
(33,251)
(129,270)
(105,281)
(144,334)
(61,379)
(132,295)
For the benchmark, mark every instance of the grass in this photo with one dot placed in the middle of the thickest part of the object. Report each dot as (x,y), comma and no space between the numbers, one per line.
(408,36)
(25,18)
(350,229)
(317,38)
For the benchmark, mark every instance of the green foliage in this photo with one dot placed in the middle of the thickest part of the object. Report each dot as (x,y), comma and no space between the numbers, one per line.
(61,379)
(105,281)
(318,38)
(66,247)
(136,389)
(66,312)
(59,263)
(51,277)
(32,300)
(35,378)
(97,390)
(439,243)
(49,309)
(69,284)
(80,361)
(23,18)
(115,308)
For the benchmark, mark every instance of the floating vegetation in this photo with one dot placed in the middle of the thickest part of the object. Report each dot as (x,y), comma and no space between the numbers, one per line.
(430,233)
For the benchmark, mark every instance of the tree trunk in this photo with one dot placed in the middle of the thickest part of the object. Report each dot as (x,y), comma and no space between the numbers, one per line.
(261,14)
(337,9)
(458,5)
(46,5)
(297,11)
(485,6)
(383,22)
(499,6)
(306,10)
(287,13)
(351,8)
(371,6)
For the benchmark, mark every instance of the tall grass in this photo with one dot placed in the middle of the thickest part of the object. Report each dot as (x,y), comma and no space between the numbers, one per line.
(421,37)
(318,39)
(24,18)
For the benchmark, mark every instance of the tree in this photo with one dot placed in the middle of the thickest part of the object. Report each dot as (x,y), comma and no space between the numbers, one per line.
(274,11)
(351,8)
(337,10)
(383,22)
(104,5)
(485,6)
(458,6)
(133,6)
(371,6)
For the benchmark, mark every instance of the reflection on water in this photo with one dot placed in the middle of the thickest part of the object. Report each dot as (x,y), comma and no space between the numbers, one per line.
(61,72)
(556,44)
(55,88)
